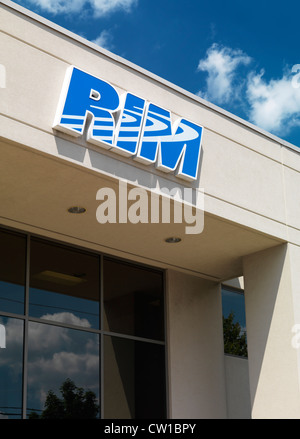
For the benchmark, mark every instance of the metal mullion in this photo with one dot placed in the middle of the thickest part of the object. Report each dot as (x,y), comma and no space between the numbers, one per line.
(134,338)
(25,347)
(101,338)
(166,338)
(63,325)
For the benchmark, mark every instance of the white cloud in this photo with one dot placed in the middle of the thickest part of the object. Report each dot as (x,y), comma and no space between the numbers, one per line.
(102,7)
(274,105)
(68,318)
(104,40)
(99,7)
(221,65)
(59,6)
(56,353)
(49,371)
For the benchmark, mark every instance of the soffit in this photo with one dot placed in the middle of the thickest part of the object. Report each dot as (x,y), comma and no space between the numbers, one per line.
(37,189)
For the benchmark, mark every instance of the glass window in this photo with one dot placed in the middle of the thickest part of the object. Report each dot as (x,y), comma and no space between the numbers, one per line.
(133,300)
(134,379)
(12,272)
(234,322)
(11,368)
(61,361)
(55,345)
(64,285)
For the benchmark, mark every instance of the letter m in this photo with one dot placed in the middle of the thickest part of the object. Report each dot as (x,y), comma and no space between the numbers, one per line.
(174,148)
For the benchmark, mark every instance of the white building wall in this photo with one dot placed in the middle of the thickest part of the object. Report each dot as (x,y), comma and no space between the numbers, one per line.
(237,387)
(270,316)
(195,348)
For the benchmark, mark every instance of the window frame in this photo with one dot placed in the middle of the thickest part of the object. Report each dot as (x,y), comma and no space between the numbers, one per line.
(100,331)
(238,291)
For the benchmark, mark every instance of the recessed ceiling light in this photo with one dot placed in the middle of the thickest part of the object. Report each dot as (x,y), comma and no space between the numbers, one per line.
(173,240)
(76,209)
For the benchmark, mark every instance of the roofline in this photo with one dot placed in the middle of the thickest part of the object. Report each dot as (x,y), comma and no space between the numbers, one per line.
(41,20)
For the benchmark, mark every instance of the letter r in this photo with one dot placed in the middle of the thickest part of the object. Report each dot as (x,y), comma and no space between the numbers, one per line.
(84,95)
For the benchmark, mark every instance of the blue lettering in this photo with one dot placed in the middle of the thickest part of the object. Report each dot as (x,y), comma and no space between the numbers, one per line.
(128,125)
(170,149)
(86,95)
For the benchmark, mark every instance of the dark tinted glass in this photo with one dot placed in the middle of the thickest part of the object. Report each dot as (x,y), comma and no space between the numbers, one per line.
(62,357)
(12,272)
(64,285)
(234,322)
(134,379)
(133,300)
(233,302)
(11,367)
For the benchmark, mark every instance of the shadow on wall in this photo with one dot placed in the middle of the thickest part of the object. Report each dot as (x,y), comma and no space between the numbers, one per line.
(264,278)
(117,166)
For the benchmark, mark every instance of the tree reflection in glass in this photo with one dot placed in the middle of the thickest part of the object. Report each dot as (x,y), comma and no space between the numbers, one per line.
(74,403)
(56,354)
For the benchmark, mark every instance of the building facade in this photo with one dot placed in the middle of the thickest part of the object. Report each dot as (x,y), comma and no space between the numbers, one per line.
(128,205)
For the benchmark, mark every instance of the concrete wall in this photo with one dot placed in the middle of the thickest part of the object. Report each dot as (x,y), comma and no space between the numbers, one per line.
(195,348)
(270,315)
(203,382)
(237,387)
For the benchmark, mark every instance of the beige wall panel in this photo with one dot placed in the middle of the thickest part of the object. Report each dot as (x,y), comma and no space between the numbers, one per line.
(242,177)
(195,345)
(292,196)
(294,254)
(33,84)
(291,158)
(237,387)
(273,361)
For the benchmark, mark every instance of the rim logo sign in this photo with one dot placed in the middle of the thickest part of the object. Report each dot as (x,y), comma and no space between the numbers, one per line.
(128,125)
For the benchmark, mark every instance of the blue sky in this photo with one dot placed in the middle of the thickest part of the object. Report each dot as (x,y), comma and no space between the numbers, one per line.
(242,56)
